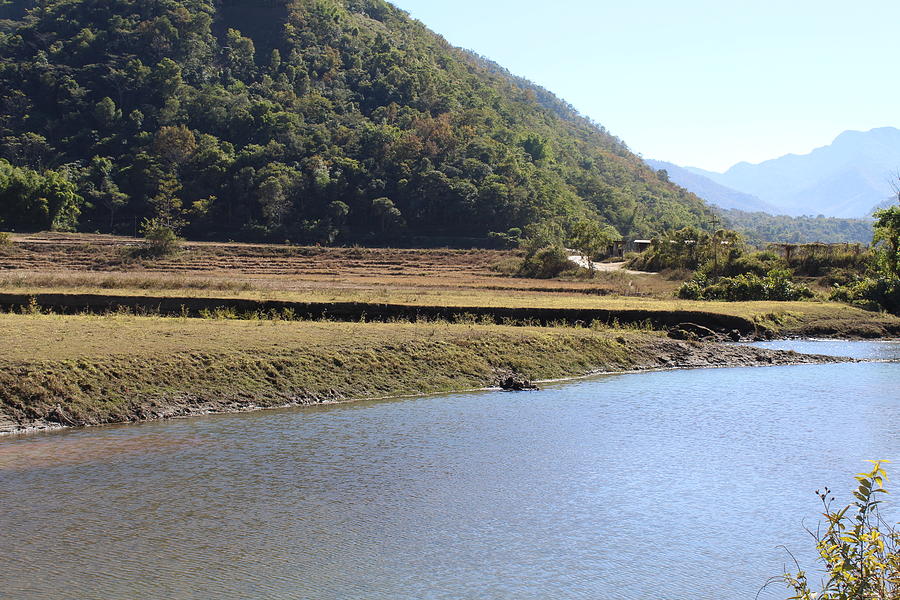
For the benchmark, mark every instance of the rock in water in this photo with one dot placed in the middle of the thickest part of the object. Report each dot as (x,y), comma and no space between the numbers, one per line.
(517,384)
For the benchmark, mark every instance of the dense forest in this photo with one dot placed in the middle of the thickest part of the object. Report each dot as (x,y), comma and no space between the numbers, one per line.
(315,121)
(760,228)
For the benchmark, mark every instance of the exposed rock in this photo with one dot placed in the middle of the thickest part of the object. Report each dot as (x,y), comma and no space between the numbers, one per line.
(692,331)
(517,384)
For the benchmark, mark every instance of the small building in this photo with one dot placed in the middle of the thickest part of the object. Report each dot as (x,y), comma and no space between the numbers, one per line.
(640,245)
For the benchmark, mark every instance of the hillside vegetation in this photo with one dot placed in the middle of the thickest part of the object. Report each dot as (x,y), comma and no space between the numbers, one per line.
(761,228)
(318,121)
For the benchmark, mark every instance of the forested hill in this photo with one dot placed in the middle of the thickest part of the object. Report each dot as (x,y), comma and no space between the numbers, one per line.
(332,121)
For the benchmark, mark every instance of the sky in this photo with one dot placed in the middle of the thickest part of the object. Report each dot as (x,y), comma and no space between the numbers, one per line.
(705,83)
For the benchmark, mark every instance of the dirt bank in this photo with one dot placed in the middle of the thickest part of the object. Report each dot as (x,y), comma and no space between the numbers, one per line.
(101,371)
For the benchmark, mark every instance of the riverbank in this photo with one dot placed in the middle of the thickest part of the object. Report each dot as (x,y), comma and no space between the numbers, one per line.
(58,370)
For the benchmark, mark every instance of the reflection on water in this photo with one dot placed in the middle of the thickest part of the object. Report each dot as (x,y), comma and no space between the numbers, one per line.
(661,485)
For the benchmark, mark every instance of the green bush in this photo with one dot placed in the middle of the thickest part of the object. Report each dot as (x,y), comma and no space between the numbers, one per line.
(692,290)
(881,292)
(546,263)
(776,285)
(159,239)
(758,263)
(5,242)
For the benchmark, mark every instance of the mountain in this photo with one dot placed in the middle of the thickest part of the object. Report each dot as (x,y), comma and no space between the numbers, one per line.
(331,121)
(844,179)
(709,190)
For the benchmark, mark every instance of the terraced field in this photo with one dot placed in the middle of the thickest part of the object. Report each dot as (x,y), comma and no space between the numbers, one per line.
(55,259)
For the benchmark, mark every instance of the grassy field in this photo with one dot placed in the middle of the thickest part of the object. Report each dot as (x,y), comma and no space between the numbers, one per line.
(90,369)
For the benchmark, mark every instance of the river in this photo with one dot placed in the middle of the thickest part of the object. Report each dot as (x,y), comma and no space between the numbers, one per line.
(664,485)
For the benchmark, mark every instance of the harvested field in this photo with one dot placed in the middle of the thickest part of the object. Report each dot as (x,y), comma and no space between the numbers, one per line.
(55,260)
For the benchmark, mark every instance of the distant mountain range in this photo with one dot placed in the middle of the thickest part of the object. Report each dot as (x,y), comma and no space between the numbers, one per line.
(709,190)
(848,178)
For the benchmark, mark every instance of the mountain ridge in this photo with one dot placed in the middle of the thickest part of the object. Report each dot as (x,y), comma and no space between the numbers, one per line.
(843,179)
(707,189)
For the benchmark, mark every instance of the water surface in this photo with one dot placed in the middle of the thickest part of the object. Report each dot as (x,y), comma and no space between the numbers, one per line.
(675,485)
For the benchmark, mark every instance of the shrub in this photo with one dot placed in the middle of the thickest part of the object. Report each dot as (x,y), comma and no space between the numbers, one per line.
(691,290)
(872,293)
(860,552)
(159,239)
(6,243)
(776,285)
(546,263)
(758,263)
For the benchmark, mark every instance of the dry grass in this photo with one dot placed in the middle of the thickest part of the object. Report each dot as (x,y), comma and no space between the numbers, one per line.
(290,268)
(60,337)
(79,264)
(115,281)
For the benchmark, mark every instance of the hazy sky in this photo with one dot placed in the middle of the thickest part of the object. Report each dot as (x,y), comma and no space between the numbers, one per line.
(705,83)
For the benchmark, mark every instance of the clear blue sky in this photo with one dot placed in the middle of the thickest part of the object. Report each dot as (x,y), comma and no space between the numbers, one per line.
(705,83)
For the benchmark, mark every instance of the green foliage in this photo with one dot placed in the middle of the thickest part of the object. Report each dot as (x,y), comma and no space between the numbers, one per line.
(758,263)
(887,234)
(877,292)
(160,239)
(762,228)
(815,260)
(30,200)
(546,263)
(689,248)
(252,120)
(6,242)
(776,285)
(592,239)
(541,235)
(880,288)
(859,551)
(512,238)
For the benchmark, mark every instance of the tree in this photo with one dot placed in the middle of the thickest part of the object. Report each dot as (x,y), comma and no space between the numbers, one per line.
(387,215)
(175,145)
(887,232)
(32,200)
(541,235)
(106,112)
(593,239)
(167,203)
(537,147)
(239,54)
(100,188)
